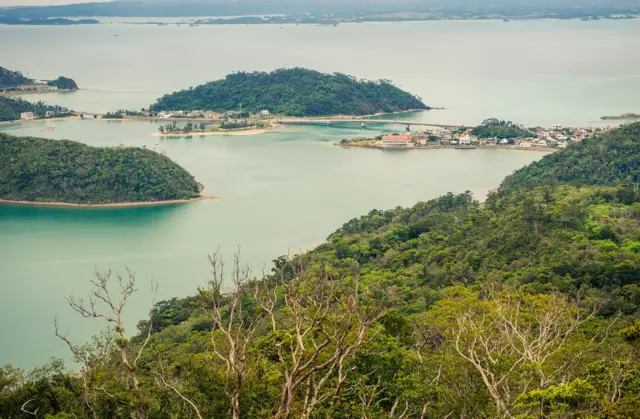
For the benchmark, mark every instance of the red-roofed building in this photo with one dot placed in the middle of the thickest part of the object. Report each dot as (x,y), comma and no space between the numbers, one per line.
(397,141)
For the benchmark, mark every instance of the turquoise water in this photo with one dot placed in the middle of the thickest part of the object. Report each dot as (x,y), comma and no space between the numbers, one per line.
(280,193)
(286,190)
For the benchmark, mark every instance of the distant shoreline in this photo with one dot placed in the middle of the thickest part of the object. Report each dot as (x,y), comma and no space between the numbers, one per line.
(24,93)
(198,21)
(27,121)
(497,147)
(114,205)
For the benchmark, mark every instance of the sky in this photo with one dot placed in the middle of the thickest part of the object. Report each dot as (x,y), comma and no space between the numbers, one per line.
(41,2)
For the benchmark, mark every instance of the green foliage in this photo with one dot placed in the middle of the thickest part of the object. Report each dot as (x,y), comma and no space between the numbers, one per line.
(611,158)
(295,92)
(36,169)
(500,129)
(10,78)
(235,124)
(558,400)
(10,109)
(525,306)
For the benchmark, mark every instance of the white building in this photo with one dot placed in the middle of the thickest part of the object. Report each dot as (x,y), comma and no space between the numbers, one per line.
(465,139)
(265,112)
(27,116)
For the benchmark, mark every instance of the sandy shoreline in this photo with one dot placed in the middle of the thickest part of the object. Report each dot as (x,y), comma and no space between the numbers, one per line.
(118,205)
(198,134)
(509,148)
(29,121)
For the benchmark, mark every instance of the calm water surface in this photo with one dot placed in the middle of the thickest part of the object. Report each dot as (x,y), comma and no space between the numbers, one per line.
(537,72)
(288,189)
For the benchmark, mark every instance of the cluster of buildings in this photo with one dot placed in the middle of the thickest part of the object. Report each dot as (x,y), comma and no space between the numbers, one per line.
(30,88)
(554,137)
(30,116)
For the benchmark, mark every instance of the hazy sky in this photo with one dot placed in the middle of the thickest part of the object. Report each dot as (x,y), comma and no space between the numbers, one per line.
(41,2)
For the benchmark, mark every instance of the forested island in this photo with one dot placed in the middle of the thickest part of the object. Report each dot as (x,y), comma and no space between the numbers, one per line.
(15,81)
(527,306)
(624,117)
(38,170)
(12,109)
(292,92)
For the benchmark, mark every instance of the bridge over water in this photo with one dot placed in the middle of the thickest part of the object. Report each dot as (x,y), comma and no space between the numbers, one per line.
(364,122)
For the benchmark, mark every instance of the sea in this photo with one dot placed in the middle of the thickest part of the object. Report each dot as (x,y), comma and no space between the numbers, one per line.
(285,191)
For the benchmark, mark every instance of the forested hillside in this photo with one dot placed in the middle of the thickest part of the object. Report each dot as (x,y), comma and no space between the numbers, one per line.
(294,92)
(10,109)
(612,158)
(10,78)
(40,170)
(524,307)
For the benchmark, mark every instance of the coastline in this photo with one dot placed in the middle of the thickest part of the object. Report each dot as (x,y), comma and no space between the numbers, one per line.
(24,93)
(207,133)
(28,121)
(115,205)
(509,148)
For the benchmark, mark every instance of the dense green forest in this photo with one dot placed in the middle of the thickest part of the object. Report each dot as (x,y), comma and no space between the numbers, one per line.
(41,170)
(64,83)
(525,306)
(608,159)
(10,109)
(294,92)
(501,129)
(10,78)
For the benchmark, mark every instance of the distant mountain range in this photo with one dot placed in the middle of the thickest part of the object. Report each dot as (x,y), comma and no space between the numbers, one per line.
(452,8)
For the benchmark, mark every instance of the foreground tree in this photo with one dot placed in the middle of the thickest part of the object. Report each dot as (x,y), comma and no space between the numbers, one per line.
(97,360)
(516,341)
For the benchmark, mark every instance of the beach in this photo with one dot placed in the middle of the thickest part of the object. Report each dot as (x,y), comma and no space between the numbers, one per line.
(371,144)
(201,134)
(115,205)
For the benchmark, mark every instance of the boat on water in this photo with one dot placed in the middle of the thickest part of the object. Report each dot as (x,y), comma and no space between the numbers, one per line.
(47,129)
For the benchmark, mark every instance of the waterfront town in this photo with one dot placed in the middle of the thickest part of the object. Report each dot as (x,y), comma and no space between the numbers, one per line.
(491,133)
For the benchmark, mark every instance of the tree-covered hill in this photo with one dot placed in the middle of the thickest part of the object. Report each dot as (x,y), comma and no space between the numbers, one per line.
(10,78)
(294,92)
(41,170)
(10,109)
(491,128)
(611,158)
(526,306)
(64,83)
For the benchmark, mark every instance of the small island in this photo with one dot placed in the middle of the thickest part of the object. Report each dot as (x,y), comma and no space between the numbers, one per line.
(17,83)
(62,172)
(292,92)
(623,117)
(491,134)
